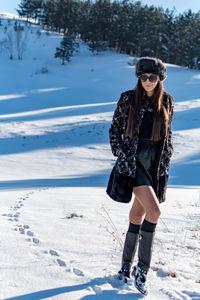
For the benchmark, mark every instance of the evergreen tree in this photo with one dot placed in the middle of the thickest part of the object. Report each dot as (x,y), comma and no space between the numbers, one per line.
(169,36)
(187,41)
(30,9)
(67,15)
(68,46)
(83,17)
(38,10)
(99,24)
(49,15)
(124,24)
(97,46)
(113,33)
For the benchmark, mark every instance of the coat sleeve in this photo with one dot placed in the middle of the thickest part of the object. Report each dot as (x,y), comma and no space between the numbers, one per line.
(168,147)
(171,113)
(116,129)
(167,153)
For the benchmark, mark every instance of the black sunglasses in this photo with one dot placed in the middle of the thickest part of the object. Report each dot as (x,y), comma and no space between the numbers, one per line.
(152,78)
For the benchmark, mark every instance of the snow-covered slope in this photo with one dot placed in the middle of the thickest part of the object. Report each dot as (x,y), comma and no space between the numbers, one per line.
(57,238)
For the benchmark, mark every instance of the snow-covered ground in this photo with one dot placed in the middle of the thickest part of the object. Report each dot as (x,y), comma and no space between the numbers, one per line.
(61,235)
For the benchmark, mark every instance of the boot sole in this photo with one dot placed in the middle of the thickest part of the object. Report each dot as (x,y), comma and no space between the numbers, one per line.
(141,291)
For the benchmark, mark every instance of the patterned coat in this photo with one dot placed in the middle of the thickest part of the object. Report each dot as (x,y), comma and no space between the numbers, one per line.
(126,147)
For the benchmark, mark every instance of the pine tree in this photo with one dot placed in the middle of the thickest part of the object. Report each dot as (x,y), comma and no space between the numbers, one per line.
(169,36)
(99,24)
(30,9)
(68,46)
(49,15)
(96,46)
(187,26)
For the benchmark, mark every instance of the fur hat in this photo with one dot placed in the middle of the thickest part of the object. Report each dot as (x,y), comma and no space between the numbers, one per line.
(151,65)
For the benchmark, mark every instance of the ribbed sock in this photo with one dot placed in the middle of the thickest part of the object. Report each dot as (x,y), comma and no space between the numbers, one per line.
(148,226)
(134,228)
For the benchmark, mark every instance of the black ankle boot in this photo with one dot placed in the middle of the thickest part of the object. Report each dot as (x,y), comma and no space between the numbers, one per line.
(130,246)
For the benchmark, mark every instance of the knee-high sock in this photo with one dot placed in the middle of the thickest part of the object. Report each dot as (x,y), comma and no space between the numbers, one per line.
(146,238)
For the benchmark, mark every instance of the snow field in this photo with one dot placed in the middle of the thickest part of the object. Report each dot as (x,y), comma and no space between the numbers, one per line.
(61,235)
(76,245)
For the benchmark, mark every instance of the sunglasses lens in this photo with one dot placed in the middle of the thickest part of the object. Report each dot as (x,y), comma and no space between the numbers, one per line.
(153,78)
(143,78)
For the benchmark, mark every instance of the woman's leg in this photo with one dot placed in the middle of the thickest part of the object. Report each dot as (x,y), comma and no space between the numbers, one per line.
(148,199)
(137,212)
(136,216)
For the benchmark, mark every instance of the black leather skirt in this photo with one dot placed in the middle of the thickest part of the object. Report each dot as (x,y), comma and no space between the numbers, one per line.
(146,162)
(120,186)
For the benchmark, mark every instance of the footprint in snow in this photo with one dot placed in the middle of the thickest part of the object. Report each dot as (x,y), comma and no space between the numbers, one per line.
(78,272)
(61,263)
(170,294)
(30,233)
(191,294)
(21,230)
(53,253)
(36,241)
(161,273)
(16,217)
(26,226)
(16,207)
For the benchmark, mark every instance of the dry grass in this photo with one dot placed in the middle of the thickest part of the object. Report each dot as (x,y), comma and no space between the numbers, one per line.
(172,274)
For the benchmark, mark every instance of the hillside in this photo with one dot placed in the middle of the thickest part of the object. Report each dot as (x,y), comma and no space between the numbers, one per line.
(57,240)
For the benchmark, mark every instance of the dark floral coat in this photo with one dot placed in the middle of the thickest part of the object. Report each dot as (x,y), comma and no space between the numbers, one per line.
(126,148)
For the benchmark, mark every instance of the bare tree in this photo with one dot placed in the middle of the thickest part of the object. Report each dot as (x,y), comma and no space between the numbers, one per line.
(8,43)
(3,44)
(21,35)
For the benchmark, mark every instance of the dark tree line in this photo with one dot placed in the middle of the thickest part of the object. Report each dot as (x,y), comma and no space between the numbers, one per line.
(126,26)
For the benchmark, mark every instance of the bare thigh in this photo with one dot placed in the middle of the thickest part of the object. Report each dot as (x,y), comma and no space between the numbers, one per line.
(137,212)
(146,196)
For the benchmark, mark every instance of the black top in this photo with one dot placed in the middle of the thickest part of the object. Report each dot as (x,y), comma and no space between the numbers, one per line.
(147,124)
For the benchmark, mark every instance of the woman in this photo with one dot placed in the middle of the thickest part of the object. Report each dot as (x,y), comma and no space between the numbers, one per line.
(141,138)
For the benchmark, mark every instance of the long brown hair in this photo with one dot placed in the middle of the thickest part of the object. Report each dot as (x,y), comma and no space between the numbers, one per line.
(160,117)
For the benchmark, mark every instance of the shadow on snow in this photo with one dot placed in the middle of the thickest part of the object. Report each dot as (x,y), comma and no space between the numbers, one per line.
(93,180)
(105,294)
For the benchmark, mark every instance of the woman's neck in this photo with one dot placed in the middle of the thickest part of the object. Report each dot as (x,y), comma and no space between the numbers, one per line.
(150,94)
